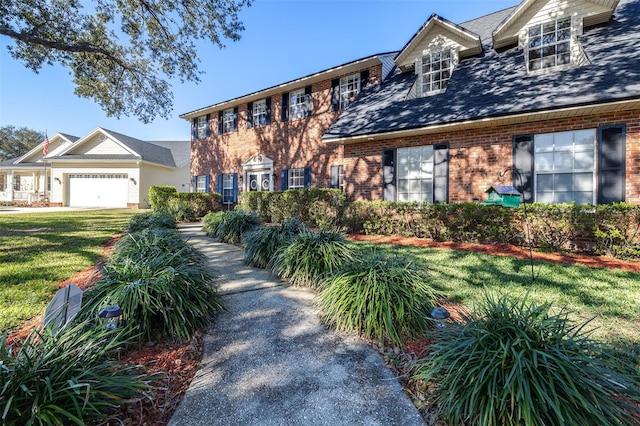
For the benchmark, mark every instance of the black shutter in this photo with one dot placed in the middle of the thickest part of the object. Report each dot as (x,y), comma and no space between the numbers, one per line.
(194,180)
(333,179)
(364,79)
(235,119)
(285,106)
(611,164)
(441,173)
(307,177)
(194,129)
(308,101)
(523,165)
(335,94)
(285,179)
(220,184)
(249,115)
(220,114)
(207,183)
(268,117)
(207,132)
(389,175)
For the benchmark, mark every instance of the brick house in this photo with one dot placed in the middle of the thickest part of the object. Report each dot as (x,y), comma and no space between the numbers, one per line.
(550,89)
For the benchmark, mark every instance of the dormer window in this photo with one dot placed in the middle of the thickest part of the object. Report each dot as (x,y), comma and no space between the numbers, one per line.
(549,45)
(435,71)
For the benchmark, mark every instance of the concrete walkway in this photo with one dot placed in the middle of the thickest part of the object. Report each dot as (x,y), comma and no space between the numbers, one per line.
(269,361)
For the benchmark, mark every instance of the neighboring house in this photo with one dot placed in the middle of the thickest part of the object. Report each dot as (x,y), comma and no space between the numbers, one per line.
(549,88)
(101,169)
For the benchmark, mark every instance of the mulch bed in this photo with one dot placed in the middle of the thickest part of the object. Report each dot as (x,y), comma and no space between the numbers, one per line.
(507,250)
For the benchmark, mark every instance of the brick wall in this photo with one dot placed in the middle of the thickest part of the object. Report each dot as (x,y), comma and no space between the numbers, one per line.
(295,143)
(477,157)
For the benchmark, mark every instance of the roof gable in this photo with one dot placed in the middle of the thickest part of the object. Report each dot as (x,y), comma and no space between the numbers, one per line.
(98,142)
(57,143)
(530,12)
(439,31)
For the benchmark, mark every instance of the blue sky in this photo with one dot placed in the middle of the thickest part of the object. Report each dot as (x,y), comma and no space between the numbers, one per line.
(283,40)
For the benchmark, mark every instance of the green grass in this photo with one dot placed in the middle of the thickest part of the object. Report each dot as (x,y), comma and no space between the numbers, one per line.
(39,250)
(610,297)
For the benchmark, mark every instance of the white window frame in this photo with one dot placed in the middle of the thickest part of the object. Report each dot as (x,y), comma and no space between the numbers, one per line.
(260,113)
(349,89)
(295,178)
(201,183)
(435,71)
(228,121)
(298,104)
(415,174)
(581,156)
(227,188)
(203,124)
(549,45)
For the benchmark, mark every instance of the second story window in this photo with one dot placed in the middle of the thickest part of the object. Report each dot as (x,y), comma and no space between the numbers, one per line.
(435,71)
(549,45)
(349,89)
(260,113)
(299,104)
(229,121)
(203,126)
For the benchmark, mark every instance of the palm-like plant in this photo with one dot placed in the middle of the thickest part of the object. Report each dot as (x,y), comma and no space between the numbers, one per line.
(67,377)
(380,296)
(311,256)
(262,243)
(512,362)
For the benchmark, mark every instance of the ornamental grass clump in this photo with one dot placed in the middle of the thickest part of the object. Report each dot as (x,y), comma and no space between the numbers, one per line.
(311,257)
(67,377)
(512,362)
(152,219)
(230,225)
(161,284)
(381,296)
(261,243)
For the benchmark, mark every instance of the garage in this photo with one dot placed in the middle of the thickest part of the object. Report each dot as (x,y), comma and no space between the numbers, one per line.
(98,190)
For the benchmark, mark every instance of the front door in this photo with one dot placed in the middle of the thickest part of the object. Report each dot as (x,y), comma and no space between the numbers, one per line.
(259,181)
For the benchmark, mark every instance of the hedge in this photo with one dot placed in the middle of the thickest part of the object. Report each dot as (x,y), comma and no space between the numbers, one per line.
(609,229)
(318,207)
(184,206)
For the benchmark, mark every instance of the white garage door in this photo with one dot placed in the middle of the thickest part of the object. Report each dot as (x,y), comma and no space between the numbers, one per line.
(98,190)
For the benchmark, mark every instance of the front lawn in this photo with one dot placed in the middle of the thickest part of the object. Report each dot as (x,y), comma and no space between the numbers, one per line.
(38,250)
(611,297)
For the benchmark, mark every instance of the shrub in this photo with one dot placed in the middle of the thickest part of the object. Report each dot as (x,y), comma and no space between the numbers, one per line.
(617,229)
(66,377)
(311,256)
(380,296)
(161,284)
(515,363)
(212,221)
(319,207)
(261,243)
(181,209)
(230,225)
(159,195)
(152,219)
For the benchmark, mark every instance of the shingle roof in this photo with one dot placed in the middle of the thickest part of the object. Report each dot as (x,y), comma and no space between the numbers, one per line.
(496,83)
(181,150)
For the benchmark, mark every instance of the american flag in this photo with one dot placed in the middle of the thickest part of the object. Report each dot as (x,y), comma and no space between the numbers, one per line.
(45,149)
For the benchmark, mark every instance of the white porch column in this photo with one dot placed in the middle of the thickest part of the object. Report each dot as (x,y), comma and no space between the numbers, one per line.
(9,190)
